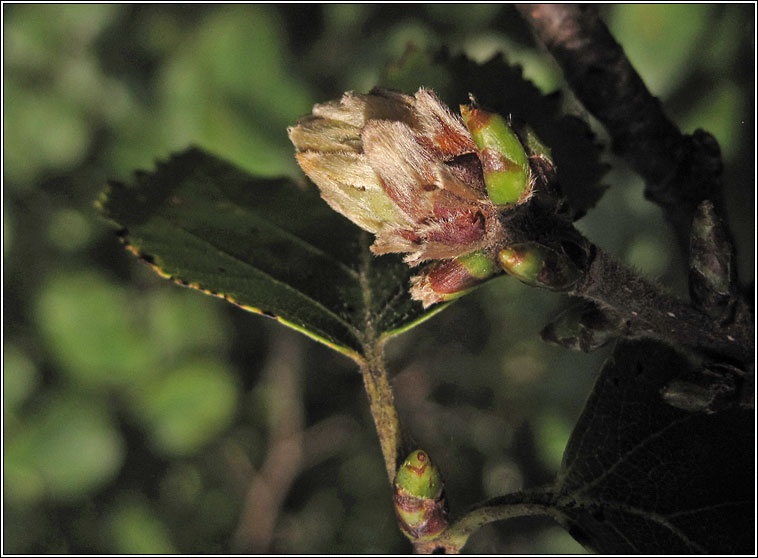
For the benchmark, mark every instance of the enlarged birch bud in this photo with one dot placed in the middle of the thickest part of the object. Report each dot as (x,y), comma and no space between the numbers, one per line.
(402,167)
(426,182)
(540,266)
(419,498)
(504,162)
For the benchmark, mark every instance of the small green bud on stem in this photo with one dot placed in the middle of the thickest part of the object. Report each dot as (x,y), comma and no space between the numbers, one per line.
(419,498)
(449,279)
(539,266)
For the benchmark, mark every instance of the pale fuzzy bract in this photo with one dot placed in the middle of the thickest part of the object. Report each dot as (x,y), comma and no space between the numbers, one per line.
(402,167)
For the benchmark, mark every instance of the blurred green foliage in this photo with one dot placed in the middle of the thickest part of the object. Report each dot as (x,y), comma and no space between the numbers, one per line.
(139,416)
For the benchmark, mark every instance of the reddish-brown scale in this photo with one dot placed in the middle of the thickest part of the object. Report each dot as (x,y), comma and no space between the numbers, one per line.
(468,169)
(449,276)
(478,119)
(410,236)
(436,517)
(463,230)
(407,502)
(418,470)
(428,175)
(396,194)
(426,143)
(426,170)
(411,203)
(447,205)
(433,510)
(451,142)
(494,161)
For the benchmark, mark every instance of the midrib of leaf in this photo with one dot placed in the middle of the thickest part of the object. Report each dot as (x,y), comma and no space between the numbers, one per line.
(284,232)
(645,514)
(622,458)
(368,336)
(196,208)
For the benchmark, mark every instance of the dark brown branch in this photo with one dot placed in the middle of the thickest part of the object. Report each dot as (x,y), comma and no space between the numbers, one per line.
(647,311)
(679,170)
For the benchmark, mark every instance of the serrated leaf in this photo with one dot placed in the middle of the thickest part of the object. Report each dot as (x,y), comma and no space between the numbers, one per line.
(268,246)
(642,477)
(502,88)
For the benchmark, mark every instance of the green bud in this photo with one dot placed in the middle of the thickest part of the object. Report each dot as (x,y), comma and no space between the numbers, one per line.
(505,164)
(419,477)
(544,175)
(402,167)
(539,266)
(533,144)
(449,279)
(419,499)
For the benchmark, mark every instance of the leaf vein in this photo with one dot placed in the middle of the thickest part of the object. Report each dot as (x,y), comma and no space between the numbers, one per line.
(622,458)
(290,235)
(320,305)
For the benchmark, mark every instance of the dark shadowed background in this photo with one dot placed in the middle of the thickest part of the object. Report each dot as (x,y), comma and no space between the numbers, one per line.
(140,417)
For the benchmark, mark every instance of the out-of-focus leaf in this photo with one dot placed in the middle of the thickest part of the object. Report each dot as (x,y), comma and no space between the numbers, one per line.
(39,35)
(226,84)
(29,116)
(68,450)
(556,541)
(103,339)
(641,477)
(54,89)
(462,15)
(69,230)
(647,253)
(502,88)
(91,328)
(179,325)
(20,377)
(134,528)
(645,32)
(552,431)
(721,114)
(232,90)
(187,407)
(266,245)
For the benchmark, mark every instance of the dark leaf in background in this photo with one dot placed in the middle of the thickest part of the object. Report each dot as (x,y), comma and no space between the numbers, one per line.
(502,88)
(641,477)
(266,245)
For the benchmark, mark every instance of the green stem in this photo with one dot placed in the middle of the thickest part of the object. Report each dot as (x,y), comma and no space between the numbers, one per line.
(519,504)
(382,404)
